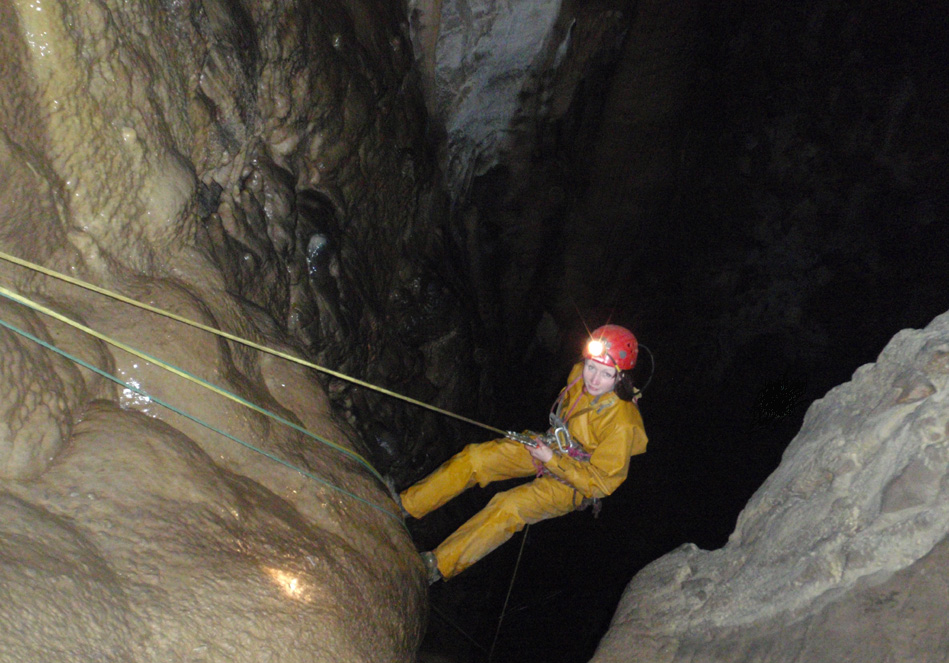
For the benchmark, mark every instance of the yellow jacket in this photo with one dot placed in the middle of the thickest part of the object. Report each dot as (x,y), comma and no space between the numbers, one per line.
(608,428)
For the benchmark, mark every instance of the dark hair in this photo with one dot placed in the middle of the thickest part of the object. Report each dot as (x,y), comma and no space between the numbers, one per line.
(625,389)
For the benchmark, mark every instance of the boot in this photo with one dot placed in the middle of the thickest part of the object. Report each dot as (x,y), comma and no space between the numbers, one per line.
(394,494)
(431,565)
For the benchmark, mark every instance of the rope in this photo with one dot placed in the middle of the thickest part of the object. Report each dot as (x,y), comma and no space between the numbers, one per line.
(455,626)
(517,565)
(8,294)
(176,410)
(237,339)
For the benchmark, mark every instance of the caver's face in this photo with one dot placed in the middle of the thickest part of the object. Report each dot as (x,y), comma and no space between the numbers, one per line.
(598,379)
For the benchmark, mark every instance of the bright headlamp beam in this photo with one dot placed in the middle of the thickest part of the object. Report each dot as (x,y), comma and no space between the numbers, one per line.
(595,348)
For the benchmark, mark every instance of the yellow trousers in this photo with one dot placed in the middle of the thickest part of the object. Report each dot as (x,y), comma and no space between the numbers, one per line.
(506,513)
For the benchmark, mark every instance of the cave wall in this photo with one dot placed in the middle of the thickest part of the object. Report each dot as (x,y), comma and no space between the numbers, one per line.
(258,167)
(269,168)
(503,83)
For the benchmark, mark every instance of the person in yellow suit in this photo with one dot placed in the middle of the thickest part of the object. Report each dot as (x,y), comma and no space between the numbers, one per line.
(605,430)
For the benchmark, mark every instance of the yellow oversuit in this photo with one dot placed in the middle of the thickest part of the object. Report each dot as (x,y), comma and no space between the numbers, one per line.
(608,428)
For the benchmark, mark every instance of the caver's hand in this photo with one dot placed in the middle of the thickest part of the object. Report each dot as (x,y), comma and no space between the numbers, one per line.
(541,452)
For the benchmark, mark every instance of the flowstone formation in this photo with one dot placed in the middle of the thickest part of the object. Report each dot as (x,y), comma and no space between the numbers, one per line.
(257,168)
(840,555)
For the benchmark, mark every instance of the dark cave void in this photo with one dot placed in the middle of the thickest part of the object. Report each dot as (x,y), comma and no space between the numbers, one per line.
(799,225)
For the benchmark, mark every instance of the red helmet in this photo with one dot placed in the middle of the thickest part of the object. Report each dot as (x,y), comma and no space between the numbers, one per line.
(612,345)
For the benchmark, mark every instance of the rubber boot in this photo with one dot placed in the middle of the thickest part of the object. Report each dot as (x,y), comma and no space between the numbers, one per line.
(431,566)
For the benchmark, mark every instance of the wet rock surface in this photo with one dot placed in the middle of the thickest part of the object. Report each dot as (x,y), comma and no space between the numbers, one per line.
(136,546)
(258,168)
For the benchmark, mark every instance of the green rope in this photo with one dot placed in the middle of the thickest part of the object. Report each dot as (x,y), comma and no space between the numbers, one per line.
(455,626)
(178,411)
(25,301)
(243,341)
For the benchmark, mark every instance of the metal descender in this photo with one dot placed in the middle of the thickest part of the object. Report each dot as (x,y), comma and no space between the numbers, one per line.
(557,437)
(527,439)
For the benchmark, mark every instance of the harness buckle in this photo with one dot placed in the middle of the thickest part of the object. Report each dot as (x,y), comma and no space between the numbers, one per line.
(558,436)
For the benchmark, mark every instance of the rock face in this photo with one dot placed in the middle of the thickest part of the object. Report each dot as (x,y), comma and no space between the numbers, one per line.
(482,63)
(247,166)
(840,555)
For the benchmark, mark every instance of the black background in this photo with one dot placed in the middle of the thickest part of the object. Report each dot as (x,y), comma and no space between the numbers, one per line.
(806,227)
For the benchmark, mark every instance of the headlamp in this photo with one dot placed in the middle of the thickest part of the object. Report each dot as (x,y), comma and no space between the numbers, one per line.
(595,348)
(612,345)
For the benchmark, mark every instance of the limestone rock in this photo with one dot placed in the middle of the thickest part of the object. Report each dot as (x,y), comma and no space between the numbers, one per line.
(136,546)
(493,70)
(249,167)
(479,60)
(40,392)
(839,555)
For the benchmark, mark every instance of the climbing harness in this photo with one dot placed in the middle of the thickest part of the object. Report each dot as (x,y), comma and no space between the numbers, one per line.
(558,438)
(528,439)
(531,439)
(561,441)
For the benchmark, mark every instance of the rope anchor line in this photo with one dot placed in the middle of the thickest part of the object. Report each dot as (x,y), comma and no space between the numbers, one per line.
(159,401)
(8,294)
(237,339)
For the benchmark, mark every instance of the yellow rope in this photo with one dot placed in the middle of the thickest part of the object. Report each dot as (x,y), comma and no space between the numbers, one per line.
(237,339)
